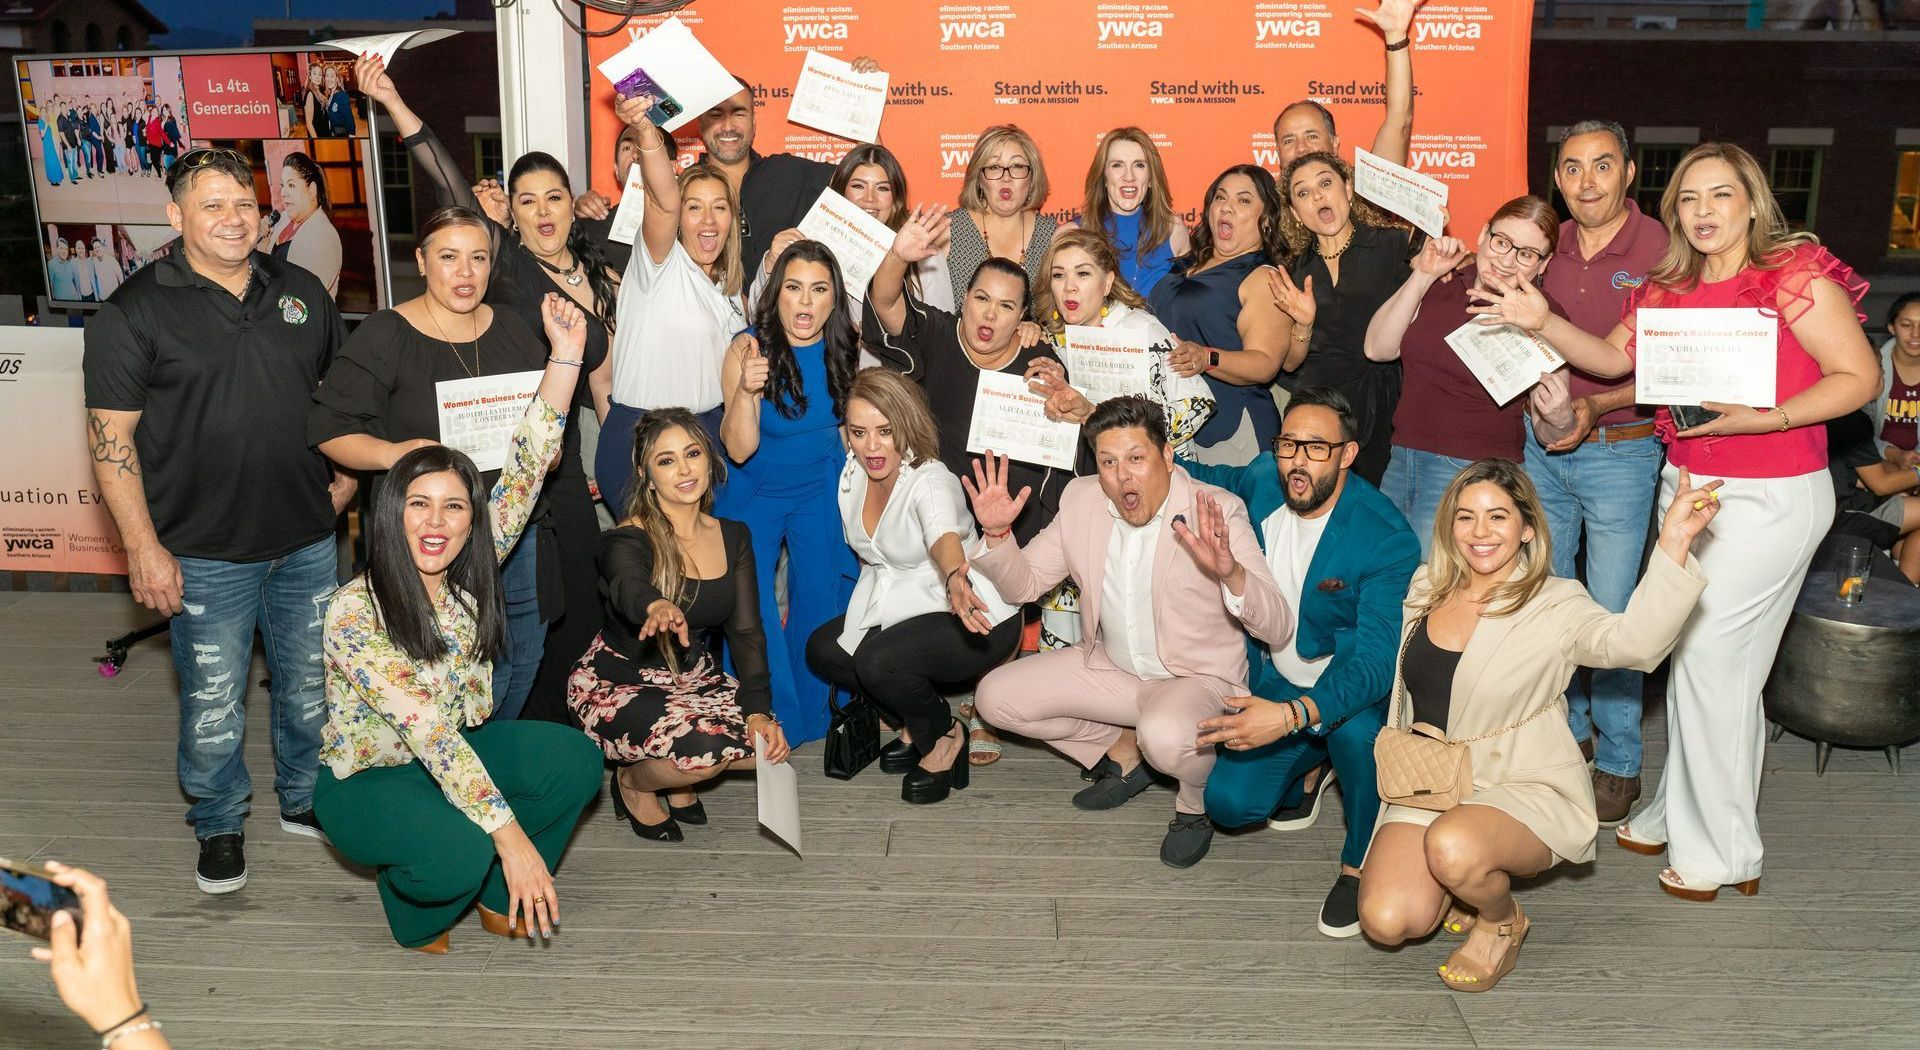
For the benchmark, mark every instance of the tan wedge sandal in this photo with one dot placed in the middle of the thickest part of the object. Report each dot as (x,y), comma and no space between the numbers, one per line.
(1469,975)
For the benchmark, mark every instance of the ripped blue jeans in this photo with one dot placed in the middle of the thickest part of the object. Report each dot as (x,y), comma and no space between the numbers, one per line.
(225,601)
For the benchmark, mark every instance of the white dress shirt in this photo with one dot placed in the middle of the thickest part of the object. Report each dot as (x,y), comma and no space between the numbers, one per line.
(1126,597)
(1291,541)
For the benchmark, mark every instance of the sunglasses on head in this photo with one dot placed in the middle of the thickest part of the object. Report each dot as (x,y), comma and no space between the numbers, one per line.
(206,155)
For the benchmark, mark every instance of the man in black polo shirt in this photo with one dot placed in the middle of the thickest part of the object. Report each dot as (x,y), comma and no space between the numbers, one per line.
(775,192)
(199,372)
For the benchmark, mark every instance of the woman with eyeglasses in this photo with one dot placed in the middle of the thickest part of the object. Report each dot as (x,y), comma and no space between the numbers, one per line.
(1445,419)
(999,215)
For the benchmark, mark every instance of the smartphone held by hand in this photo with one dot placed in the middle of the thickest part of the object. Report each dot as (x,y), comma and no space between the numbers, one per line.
(29,898)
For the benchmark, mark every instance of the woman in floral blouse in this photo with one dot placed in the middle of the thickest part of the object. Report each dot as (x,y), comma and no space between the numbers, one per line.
(450,811)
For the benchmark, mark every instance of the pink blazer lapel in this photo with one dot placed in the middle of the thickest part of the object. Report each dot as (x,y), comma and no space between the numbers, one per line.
(1179,501)
(1098,534)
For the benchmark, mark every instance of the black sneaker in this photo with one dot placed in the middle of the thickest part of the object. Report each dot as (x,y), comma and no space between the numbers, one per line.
(305,824)
(223,864)
(1304,815)
(1113,790)
(1189,836)
(1340,915)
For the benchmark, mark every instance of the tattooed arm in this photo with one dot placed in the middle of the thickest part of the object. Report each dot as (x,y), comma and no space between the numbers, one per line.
(152,571)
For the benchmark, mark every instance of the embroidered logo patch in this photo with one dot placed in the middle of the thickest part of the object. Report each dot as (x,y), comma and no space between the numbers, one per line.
(1622,280)
(292,310)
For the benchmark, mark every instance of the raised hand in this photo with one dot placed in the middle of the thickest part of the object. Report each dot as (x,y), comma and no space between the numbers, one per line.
(633,112)
(753,367)
(1394,17)
(566,326)
(993,507)
(1209,543)
(1517,303)
(863,64)
(592,205)
(1691,511)
(917,237)
(1047,378)
(1440,256)
(1296,301)
(370,75)
(492,198)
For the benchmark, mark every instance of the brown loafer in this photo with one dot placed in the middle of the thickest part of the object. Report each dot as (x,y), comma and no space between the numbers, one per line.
(499,925)
(437,946)
(1613,797)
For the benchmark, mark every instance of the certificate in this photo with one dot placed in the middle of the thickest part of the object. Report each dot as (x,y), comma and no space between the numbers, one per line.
(478,416)
(778,789)
(672,65)
(1506,360)
(1011,420)
(386,45)
(1417,198)
(1688,356)
(858,241)
(832,97)
(633,208)
(1103,363)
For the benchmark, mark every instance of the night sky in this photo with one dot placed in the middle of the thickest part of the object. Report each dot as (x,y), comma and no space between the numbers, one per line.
(234,18)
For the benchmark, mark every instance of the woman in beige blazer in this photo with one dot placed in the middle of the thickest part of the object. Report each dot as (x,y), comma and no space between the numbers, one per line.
(1488,645)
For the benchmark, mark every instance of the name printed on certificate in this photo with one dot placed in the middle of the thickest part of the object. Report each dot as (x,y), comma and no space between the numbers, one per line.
(1417,198)
(1687,356)
(1103,363)
(478,416)
(670,64)
(1506,360)
(833,98)
(859,241)
(1011,420)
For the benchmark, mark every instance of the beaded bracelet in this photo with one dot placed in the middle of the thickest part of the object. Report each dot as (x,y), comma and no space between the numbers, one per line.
(113,1037)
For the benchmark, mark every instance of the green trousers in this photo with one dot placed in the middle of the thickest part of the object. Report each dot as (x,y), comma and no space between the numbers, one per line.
(432,862)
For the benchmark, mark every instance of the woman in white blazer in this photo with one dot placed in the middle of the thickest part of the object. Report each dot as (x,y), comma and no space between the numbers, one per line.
(919,619)
(1489,642)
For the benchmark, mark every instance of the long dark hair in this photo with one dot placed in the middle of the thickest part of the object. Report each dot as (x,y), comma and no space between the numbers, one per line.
(643,507)
(881,157)
(585,249)
(400,599)
(842,342)
(1270,208)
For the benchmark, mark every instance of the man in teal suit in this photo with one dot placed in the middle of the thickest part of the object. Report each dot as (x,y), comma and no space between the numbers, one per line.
(1343,556)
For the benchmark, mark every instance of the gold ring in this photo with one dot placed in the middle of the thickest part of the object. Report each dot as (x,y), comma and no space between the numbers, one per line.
(539,900)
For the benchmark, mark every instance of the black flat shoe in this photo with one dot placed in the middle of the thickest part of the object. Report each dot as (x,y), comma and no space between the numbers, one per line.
(898,757)
(922,787)
(667,830)
(695,814)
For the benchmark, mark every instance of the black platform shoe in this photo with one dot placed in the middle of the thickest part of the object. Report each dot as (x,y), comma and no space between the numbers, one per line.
(921,787)
(667,830)
(898,757)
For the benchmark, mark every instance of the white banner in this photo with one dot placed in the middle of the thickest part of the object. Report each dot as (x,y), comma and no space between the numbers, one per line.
(52,515)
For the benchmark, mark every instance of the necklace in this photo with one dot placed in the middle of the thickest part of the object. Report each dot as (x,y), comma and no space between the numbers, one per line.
(1337,252)
(571,274)
(451,345)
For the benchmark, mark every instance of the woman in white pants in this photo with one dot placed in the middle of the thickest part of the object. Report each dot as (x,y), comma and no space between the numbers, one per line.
(1731,249)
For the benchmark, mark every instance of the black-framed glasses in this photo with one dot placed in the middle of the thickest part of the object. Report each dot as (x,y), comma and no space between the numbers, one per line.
(1502,244)
(1318,451)
(996,172)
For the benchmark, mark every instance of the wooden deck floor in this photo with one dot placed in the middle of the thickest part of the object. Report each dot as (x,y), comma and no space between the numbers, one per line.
(1002,918)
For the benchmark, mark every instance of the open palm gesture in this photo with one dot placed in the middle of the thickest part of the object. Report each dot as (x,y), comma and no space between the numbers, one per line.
(1208,541)
(1295,300)
(993,507)
(921,234)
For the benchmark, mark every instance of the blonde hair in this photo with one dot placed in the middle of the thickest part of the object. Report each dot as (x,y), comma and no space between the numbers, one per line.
(1360,212)
(1157,219)
(728,268)
(973,189)
(1769,238)
(1447,569)
(904,406)
(1102,252)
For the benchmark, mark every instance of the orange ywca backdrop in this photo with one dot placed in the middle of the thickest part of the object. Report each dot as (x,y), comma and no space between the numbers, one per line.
(1205,77)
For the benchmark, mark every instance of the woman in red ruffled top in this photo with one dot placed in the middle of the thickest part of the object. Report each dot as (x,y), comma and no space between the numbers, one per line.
(1731,248)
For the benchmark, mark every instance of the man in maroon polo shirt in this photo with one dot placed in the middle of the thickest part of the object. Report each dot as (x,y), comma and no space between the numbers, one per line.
(1601,478)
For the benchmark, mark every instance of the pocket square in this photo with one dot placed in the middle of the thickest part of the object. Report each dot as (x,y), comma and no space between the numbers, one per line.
(1332,584)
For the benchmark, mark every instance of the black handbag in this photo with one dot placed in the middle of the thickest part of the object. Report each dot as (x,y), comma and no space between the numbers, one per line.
(853,735)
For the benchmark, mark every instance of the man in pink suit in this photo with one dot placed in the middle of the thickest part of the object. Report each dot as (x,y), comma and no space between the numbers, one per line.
(1158,650)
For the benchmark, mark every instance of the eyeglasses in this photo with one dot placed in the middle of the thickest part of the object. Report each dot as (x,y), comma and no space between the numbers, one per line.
(1318,451)
(996,172)
(1501,244)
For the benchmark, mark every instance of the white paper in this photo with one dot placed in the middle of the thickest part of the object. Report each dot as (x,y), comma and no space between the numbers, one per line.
(833,98)
(633,208)
(386,45)
(1417,198)
(1691,355)
(478,416)
(1103,363)
(858,241)
(1011,420)
(672,65)
(1506,360)
(778,788)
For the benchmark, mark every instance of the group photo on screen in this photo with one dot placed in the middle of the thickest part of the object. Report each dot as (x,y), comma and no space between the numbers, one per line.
(101,135)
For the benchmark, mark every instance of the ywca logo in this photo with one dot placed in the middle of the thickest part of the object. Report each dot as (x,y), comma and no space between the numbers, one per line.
(1134,27)
(956,152)
(973,27)
(32,544)
(815,29)
(1289,23)
(1437,30)
(1623,281)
